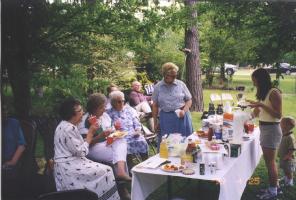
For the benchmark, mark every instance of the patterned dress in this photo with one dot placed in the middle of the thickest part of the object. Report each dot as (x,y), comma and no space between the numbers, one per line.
(130,122)
(72,170)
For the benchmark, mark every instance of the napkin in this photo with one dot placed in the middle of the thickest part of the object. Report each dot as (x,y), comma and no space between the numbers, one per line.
(153,163)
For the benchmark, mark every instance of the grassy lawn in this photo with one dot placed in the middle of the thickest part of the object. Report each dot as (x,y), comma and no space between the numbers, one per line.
(189,189)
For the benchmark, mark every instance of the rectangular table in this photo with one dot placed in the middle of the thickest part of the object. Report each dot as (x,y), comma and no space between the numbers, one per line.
(232,177)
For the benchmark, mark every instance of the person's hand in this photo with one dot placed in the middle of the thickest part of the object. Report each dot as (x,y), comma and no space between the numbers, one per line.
(117,124)
(287,157)
(107,132)
(137,133)
(9,163)
(181,114)
(255,104)
(93,128)
(157,127)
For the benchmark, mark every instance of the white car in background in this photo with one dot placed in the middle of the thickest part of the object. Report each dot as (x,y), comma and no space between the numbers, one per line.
(230,69)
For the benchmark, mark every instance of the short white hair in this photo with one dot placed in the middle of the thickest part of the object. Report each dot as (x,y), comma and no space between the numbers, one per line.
(114,96)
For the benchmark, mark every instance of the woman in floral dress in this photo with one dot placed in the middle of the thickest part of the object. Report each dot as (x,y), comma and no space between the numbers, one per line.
(72,170)
(126,119)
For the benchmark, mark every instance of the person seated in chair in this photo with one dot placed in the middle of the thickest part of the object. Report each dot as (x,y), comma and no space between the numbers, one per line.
(141,103)
(112,87)
(125,118)
(72,170)
(99,150)
(13,145)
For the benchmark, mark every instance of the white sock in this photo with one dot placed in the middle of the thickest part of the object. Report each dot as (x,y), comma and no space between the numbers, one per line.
(273,190)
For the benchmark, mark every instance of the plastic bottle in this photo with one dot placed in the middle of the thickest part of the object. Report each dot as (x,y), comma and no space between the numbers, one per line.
(227,128)
(163,149)
(210,133)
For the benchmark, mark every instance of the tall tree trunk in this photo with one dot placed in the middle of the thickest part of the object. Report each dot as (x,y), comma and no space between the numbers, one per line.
(193,70)
(16,53)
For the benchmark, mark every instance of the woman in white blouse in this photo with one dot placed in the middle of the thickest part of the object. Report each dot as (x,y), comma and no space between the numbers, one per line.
(114,153)
(72,170)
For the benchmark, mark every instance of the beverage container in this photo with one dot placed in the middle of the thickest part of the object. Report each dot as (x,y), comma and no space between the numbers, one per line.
(210,133)
(163,149)
(213,167)
(218,131)
(211,109)
(92,120)
(205,125)
(202,169)
(117,124)
(227,127)
(198,155)
(109,140)
(219,110)
(249,127)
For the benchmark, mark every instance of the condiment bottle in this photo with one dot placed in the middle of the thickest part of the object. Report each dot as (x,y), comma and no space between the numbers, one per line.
(210,133)
(190,147)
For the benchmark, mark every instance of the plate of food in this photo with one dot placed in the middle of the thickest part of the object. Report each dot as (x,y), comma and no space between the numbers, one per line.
(201,134)
(118,134)
(173,168)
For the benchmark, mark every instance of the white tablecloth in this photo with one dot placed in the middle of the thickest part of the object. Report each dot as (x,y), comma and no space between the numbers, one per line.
(232,177)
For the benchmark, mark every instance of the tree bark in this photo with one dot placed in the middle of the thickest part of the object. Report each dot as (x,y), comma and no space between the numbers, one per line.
(193,69)
(16,53)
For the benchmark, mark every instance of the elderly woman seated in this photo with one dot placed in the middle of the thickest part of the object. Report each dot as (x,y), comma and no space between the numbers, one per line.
(72,170)
(99,150)
(125,118)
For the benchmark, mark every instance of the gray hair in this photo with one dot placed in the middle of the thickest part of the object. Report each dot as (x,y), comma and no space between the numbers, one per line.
(114,96)
(168,67)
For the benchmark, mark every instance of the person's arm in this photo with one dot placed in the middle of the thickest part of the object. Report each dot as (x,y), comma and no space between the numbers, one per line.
(155,115)
(98,138)
(16,156)
(289,155)
(188,101)
(276,105)
(90,134)
(186,107)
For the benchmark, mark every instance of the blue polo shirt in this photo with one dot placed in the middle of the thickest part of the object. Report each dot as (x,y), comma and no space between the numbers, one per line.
(12,137)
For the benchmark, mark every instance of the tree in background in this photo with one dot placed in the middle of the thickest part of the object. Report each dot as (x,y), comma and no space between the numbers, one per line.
(193,70)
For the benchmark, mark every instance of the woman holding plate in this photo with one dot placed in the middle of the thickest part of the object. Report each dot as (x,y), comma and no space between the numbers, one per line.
(114,153)
(126,119)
